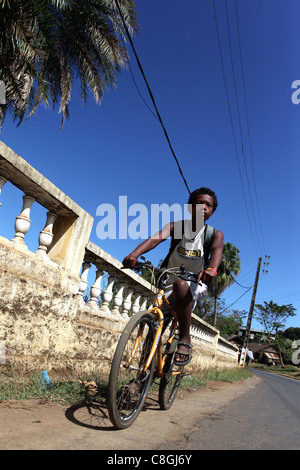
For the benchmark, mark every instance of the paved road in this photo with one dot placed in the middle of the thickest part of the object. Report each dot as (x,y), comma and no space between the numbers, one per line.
(265,418)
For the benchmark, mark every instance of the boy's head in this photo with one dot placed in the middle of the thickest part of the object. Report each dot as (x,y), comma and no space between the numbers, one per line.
(209,192)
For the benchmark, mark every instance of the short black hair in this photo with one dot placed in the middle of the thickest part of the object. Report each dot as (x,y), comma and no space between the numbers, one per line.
(208,191)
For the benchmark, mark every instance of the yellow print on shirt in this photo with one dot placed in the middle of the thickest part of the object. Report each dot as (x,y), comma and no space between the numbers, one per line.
(191,253)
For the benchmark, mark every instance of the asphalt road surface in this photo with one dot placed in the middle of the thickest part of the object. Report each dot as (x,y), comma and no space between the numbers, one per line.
(265,418)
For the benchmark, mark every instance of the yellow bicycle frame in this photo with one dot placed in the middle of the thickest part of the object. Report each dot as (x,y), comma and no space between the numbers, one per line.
(157,342)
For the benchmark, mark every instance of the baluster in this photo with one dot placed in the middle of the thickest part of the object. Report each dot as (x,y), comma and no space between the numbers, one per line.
(136,305)
(46,235)
(83,278)
(96,289)
(2,183)
(193,332)
(107,295)
(118,300)
(144,303)
(127,303)
(23,221)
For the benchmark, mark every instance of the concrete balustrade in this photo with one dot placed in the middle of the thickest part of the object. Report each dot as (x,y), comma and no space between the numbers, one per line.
(2,183)
(125,291)
(73,225)
(52,315)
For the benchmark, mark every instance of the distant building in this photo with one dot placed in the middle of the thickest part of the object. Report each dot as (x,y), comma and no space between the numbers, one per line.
(265,353)
(254,332)
(260,352)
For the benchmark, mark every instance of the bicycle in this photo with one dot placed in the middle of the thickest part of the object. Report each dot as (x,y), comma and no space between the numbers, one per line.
(141,356)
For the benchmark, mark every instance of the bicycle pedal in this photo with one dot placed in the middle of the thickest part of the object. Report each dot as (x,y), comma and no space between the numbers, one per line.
(132,368)
(147,375)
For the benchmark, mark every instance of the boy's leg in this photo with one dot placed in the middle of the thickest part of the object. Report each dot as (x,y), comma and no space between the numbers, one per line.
(184,305)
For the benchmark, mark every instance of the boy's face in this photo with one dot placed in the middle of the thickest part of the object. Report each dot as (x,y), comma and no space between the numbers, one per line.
(205,203)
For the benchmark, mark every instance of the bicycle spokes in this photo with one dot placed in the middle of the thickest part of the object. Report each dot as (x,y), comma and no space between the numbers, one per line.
(130,379)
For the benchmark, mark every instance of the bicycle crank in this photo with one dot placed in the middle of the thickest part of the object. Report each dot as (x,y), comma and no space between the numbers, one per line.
(147,372)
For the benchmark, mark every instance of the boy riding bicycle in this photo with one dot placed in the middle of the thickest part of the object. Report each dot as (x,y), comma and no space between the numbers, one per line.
(188,248)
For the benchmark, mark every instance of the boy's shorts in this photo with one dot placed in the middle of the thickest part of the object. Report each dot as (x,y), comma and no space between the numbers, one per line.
(197,291)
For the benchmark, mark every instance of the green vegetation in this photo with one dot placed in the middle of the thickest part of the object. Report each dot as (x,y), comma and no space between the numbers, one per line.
(273,316)
(15,386)
(288,370)
(226,375)
(229,375)
(231,264)
(47,45)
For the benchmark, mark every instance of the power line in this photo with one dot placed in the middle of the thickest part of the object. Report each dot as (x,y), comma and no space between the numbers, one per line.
(239,121)
(151,95)
(247,121)
(137,88)
(231,122)
(226,308)
(288,296)
(256,240)
(239,283)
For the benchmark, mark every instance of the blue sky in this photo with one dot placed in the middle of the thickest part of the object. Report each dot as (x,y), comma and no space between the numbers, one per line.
(119,148)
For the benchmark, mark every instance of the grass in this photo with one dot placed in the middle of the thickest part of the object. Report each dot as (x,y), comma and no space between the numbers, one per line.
(225,375)
(17,386)
(288,370)
(229,375)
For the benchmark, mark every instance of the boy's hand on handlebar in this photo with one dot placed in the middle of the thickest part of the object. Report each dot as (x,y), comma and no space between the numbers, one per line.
(129,261)
(206,276)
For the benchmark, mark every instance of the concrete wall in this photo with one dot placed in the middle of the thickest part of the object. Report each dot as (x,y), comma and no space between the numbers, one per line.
(44,321)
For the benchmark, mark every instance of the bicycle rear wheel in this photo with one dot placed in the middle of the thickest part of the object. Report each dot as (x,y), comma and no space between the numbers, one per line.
(128,382)
(169,384)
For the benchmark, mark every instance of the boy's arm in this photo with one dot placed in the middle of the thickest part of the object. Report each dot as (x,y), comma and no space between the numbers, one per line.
(149,244)
(216,253)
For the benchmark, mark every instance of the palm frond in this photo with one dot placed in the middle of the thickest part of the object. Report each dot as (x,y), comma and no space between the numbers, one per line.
(45,45)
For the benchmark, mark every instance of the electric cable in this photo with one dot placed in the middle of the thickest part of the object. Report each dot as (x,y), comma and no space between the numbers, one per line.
(137,88)
(231,121)
(226,308)
(151,95)
(239,121)
(239,283)
(247,122)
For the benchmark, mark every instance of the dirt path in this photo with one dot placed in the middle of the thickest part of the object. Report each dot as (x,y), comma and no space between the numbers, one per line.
(34,425)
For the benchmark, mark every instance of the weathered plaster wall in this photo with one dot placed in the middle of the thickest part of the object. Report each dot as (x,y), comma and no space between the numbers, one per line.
(45,324)
(41,323)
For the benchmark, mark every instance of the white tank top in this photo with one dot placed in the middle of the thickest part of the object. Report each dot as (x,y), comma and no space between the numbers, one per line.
(189,251)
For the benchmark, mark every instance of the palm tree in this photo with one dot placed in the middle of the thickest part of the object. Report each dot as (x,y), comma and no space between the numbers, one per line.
(231,265)
(45,45)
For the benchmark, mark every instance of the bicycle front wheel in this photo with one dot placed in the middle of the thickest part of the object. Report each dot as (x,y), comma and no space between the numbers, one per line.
(129,382)
(169,384)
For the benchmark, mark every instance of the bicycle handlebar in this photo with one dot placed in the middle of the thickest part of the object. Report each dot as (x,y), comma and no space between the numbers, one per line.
(179,271)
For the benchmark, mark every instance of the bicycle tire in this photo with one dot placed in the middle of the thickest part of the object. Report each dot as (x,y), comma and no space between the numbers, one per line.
(128,384)
(169,384)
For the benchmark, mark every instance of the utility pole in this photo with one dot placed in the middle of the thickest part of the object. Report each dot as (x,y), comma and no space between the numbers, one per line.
(250,315)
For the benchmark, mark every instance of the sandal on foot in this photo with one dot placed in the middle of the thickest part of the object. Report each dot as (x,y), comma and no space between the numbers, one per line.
(188,354)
